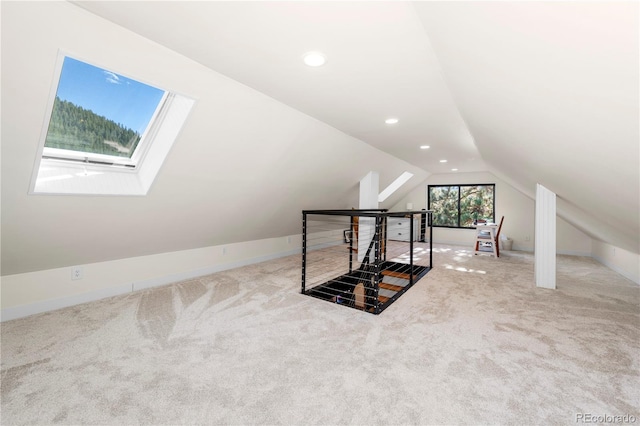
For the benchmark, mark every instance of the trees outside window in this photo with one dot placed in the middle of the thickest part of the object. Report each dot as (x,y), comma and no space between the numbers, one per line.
(97,111)
(458,206)
(100,131)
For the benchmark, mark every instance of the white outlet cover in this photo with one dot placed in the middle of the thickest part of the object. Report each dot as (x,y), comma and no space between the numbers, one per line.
(76,272)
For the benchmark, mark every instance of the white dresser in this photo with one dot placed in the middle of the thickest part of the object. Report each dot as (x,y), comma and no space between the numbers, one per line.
(398,228)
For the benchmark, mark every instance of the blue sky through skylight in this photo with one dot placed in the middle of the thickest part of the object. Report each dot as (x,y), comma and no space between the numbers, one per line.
(125,101)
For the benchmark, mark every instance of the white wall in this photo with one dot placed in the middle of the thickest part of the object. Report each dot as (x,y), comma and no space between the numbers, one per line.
(622,261)
(517,208)
(570,240)
(242,169)
(519,212)
(238,176)
(34,292)
(568,121)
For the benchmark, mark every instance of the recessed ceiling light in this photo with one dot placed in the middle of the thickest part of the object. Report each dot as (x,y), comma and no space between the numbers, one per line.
(454,170)
(391,120)
(314,59)
(443,161)
(424,147)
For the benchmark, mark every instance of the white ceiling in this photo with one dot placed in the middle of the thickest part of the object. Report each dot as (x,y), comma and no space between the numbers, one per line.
(380,64)
(536,92)
(550,92)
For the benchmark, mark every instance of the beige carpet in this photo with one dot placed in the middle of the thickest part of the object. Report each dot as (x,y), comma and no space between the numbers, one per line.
(474,342)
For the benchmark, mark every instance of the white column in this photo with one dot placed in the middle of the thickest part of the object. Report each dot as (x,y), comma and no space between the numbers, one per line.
(545,238)
(369,188)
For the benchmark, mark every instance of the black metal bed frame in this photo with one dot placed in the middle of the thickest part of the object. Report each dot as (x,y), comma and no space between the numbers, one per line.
(364,283)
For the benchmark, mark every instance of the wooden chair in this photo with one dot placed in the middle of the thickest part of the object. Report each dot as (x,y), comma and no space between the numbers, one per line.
(483,237)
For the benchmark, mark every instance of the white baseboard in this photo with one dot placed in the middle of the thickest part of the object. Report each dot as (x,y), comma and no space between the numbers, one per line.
(182,276)
(622,272)
(609,265)
(16,312)
(453,243)
(516,247)
(470,246)
(528,249)
(574,253)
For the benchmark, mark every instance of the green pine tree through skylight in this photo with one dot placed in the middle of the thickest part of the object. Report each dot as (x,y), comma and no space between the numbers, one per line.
(100,112)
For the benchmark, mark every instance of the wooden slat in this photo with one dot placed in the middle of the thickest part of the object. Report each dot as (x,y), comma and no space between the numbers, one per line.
(398,274)
(391,287)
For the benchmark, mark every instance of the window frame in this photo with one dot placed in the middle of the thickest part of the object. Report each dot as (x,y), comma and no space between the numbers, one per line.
(105,160)
(460,186)
(69,172)
(101,160)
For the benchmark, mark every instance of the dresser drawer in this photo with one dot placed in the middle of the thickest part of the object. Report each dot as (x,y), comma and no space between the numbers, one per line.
(398,235)
(398,228)
(397,223)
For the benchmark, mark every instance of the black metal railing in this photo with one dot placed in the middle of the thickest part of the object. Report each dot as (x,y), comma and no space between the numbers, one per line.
(364,259)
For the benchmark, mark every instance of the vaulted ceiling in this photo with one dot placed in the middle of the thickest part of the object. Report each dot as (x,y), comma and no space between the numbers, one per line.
(380,64)
(534,92)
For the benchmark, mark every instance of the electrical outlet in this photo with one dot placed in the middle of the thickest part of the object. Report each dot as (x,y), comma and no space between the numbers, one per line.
(527,238)
(76,273)
(288,240)
(224,250)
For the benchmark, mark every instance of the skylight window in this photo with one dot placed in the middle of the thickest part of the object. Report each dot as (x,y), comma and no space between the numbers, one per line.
(105,133)
(100,116)
(395,185)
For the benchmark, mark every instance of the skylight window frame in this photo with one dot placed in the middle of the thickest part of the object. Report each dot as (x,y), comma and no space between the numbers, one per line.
(394,186)
(99,160)
(72,173)
(104,160)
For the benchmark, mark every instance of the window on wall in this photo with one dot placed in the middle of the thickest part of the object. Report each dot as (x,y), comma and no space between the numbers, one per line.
(99,116)
(458,206)
(105,133)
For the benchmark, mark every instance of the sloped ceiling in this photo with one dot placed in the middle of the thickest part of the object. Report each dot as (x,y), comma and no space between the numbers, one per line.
(242,169)
(380,64)
(534,92)
(549,91)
